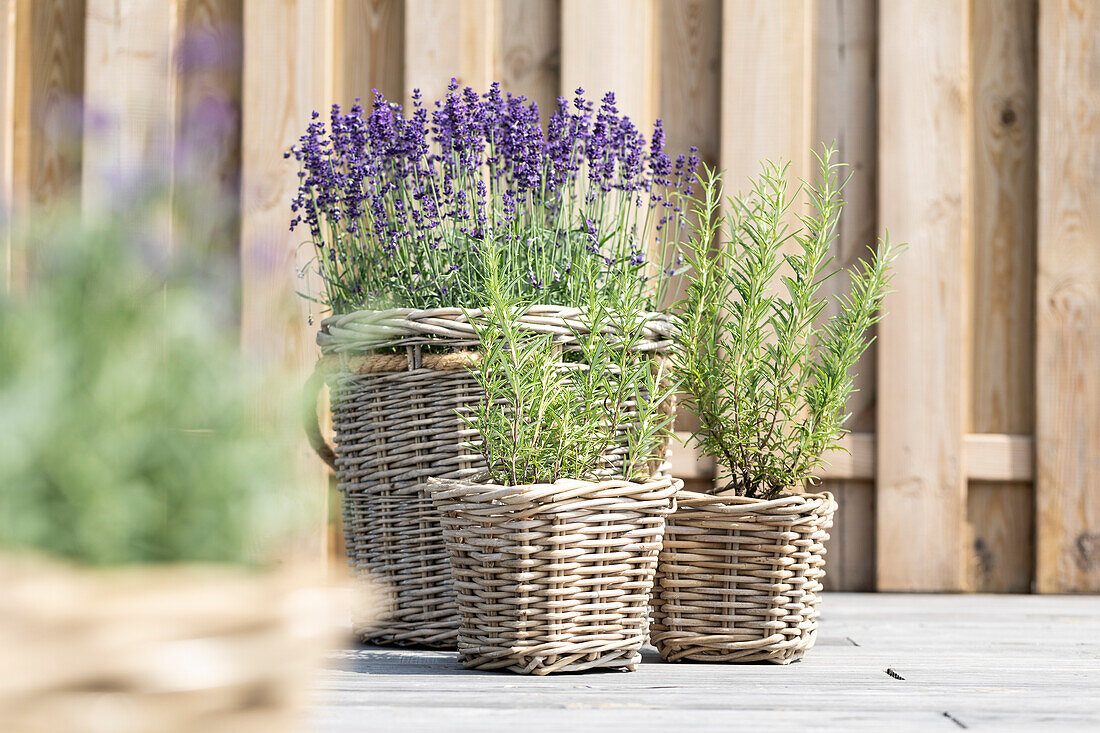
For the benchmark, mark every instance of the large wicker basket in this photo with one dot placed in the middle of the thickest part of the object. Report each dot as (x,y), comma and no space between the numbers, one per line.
(739,580)
(554,577)
(171,649)
(396,380)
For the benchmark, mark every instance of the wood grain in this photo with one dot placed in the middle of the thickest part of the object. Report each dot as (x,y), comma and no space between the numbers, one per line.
(370,50)
(529,59)
(449,38)
(131,93)
(991,457)
(611,45)
(1002,278)
(46,139)
(208,135)
(689,100)
(690,87)
(998,457)
(7,137)
(1034,659)
(844,112)
(287,74)
(854,459)
(1067,419)
(766,91)
(922,537)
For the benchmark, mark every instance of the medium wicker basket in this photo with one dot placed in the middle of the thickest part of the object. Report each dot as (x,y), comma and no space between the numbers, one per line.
(396,380)
(739,579)
(554,577)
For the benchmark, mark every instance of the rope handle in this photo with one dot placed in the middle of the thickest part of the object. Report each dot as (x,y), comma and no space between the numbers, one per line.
(312,423)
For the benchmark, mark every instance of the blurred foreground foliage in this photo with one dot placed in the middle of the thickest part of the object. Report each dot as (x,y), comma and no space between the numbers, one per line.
(133,428)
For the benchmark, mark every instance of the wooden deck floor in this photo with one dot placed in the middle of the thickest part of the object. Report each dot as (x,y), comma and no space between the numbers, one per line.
(882,662)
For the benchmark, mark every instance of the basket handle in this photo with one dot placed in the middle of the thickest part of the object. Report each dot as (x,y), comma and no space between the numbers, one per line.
(310,421)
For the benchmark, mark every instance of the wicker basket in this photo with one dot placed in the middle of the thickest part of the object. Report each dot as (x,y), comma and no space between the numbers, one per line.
(739,579)
(170,649)
(396,379)
(554,577)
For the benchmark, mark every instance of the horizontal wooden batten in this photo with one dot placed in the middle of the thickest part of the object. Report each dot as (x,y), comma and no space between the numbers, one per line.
(991,457)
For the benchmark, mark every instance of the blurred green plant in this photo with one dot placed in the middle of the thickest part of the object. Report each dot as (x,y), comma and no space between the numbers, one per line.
(131,429)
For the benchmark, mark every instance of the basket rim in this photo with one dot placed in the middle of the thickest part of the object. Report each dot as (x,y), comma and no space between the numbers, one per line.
(373,329)
(800,502)
(456,494)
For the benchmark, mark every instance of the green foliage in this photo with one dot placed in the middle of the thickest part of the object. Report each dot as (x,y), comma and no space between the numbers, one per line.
(549,415)
(130,432)
(766,373)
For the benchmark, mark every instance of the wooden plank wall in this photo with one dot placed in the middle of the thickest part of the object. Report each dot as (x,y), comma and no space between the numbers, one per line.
(922,365)
(968,125)
(845,59)
(1067,345)
(7,137)
(287,73)
(1002,275)
(45,121)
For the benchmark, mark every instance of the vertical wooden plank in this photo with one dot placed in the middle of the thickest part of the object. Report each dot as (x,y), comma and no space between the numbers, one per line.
(1004,90)
(1003,518)
(844,112)
(288,73)
(689,97)
(690,86)
(449,38)
(208,145)
(1067,417)
(766,94)
(130,95)
(922,539)
(130,88)
(7,136)
(370,50)
(49,82)
(529,35)
(611,45)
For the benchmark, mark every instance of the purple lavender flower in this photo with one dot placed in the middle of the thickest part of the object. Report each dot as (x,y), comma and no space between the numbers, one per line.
(402,203)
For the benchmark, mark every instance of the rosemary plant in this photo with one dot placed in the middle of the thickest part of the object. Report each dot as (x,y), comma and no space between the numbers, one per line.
(765,372)
(549,415)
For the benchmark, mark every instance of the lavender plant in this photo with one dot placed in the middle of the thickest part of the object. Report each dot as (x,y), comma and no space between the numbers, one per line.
(546,415)
(402,207)
(766,374)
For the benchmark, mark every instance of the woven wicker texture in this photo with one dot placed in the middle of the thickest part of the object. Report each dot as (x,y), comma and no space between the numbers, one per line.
(554,577)
(365,330)
(395,424)
(170,649)
(739,579)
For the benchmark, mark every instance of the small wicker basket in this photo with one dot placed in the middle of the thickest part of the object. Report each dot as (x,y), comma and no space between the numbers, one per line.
(554,577)
(739,579)
(397,378)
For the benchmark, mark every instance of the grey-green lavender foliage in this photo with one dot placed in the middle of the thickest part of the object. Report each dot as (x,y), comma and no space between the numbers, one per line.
(765,372)
(130,426)
(549,415)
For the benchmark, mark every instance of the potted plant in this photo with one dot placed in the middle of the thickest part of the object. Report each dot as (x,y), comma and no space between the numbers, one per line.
(554,547)
(767,370)
(144,505)
(401,208)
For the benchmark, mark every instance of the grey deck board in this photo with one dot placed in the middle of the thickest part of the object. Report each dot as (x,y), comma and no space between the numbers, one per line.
(996,663)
